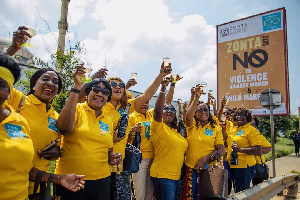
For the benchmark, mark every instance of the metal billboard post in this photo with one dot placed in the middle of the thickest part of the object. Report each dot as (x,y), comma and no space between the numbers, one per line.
(271,99)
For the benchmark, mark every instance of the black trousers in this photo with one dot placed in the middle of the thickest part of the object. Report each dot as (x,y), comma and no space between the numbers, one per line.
(93,190)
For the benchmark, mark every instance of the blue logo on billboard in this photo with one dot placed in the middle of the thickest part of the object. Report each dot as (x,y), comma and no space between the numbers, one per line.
(272,21)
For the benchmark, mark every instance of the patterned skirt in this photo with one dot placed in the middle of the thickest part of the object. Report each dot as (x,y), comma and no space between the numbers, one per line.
(120,186)
(191,184)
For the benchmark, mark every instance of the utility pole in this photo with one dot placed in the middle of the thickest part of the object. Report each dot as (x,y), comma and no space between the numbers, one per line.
(63,27)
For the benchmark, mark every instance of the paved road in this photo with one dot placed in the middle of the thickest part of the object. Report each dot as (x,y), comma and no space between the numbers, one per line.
(285,165)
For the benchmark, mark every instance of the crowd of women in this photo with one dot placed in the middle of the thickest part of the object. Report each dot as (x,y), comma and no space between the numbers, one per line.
(176,147)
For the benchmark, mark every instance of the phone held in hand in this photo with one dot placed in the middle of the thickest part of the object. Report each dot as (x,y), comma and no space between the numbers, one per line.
(49,147)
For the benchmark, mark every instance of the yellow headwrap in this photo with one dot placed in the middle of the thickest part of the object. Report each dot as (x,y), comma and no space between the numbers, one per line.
(6,75)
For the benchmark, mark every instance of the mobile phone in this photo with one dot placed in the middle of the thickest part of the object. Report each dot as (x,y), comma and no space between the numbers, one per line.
(49,147)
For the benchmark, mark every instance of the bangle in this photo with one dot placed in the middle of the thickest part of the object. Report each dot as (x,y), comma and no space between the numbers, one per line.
(211,157)
(75,90)
(173,83)
(162,92)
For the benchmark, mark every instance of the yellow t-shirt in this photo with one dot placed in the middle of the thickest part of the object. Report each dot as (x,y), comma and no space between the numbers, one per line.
(146,144)
(42,125)
(85,150)
(115,114)
(169,148)
(245,136)
(264,143)
(16,157)
(202,141)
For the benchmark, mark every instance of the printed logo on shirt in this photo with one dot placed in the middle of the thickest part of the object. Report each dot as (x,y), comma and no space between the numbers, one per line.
(240,133)
(209,132)
(121,111)
(103,127)
(147,129)
(52,124)
(14,130)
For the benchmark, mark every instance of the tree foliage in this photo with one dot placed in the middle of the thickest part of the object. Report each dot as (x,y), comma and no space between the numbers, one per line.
(67,61)
(283,125)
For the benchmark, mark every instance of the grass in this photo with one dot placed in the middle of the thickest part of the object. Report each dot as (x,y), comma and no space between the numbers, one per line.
(283,147)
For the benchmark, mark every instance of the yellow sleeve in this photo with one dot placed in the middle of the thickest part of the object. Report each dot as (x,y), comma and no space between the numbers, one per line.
(156,127)
(264,142)
(254,137)
(15,98)
(219,137)
(132,108)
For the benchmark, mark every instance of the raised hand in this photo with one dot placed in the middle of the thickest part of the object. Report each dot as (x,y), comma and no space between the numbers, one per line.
(101,73)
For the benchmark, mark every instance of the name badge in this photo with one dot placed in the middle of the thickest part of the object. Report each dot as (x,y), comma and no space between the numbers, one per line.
(147,129)
(209,132)
(104,128)
(13,130)
(52,124)
(240,133)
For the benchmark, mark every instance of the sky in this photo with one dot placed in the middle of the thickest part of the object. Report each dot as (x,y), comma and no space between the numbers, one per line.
(135,35)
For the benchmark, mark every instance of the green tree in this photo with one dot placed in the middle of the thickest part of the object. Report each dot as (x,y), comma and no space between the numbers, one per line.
(68,61)
(282,124)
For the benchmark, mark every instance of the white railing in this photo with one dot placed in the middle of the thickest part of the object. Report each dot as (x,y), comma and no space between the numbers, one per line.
(270,188)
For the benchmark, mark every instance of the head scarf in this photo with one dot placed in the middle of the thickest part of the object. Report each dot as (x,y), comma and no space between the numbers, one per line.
(6,75)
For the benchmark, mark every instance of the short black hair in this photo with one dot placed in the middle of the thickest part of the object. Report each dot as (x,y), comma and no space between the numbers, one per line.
(35,77)
(12,65)
(96,81)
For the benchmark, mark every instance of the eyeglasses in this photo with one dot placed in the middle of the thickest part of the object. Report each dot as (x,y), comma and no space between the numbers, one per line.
(202,110)
(97,89)
(114,84)
(169,109)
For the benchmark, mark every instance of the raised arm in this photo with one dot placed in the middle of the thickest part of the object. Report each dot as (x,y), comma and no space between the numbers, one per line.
(192,108)
(170,94)
(150,91)
(159,105)
(66,120)
(101,73)
(19,38)
(223,103)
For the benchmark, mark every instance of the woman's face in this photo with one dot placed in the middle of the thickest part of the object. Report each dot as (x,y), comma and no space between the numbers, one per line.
(98,96)
(169,114)
(241,119)
(144,108)
(118,89)
(4,91)
(46,86)
(202,112)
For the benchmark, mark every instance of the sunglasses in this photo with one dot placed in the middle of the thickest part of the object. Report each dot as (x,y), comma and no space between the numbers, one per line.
(114,84)
(97,89)
(168,109)
(202,110)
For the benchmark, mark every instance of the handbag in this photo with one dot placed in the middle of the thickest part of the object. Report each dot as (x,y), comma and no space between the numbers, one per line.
(262,171)
(45,193)
(214,182)
(133,157)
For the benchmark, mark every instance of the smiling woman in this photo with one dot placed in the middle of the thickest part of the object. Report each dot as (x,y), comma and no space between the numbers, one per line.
(16,146)
(87,142)
(45,84)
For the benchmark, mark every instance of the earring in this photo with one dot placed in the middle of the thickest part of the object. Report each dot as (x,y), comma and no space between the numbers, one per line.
(33,88)
(8,97)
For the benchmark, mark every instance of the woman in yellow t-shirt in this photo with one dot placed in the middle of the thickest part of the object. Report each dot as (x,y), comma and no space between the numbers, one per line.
(87,139)
(16,147)
(169,149)
(45,84)
(205,144)
(245,139)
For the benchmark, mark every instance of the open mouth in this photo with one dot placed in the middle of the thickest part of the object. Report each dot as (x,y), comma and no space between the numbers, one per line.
(48,91)
(117,92)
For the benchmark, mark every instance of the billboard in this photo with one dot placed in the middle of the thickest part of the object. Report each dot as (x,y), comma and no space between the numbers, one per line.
(252,57)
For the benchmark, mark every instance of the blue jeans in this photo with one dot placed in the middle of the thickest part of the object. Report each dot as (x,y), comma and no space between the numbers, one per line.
(166,189)
(241,177)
